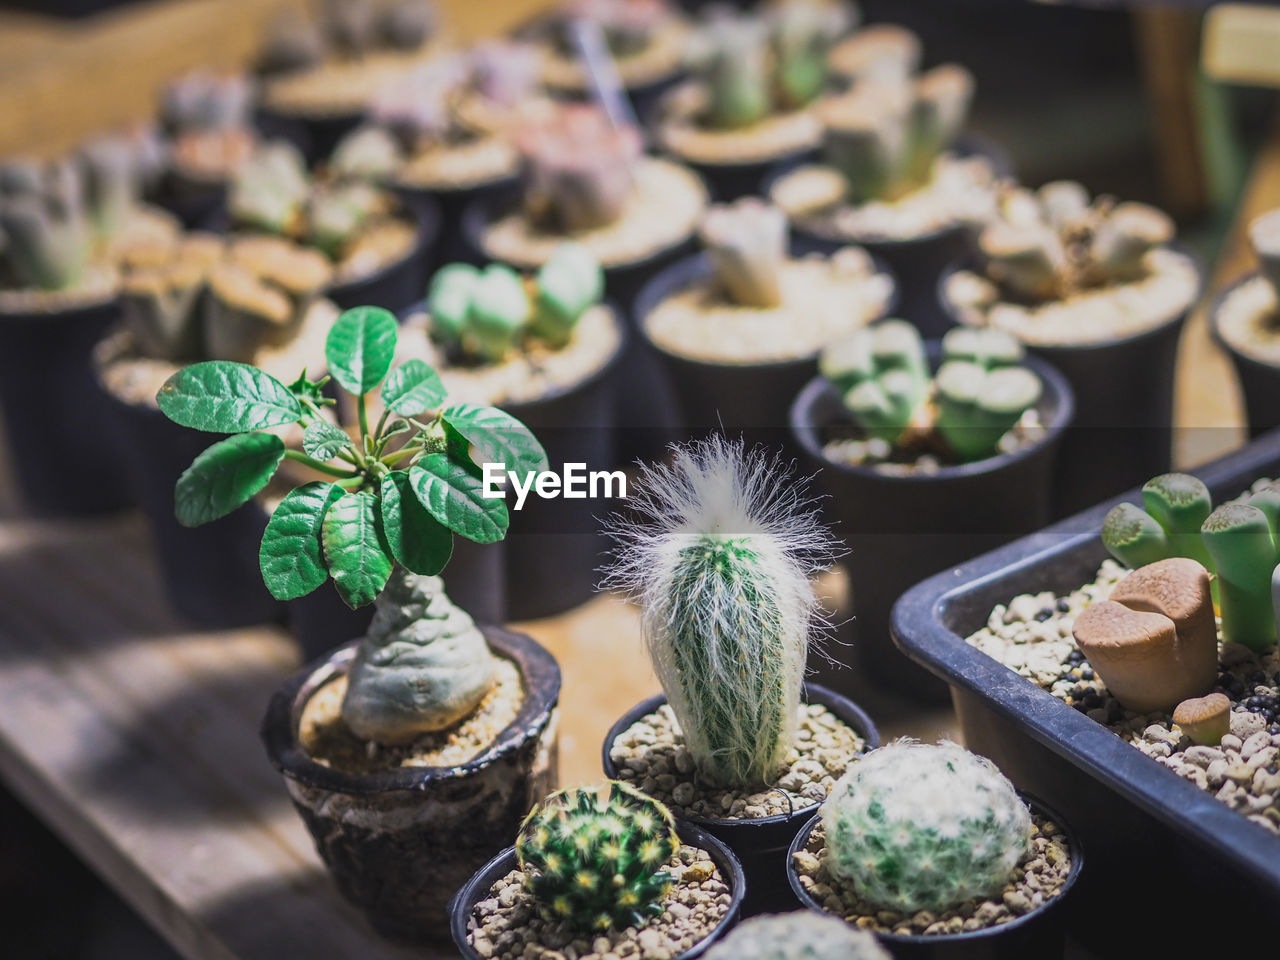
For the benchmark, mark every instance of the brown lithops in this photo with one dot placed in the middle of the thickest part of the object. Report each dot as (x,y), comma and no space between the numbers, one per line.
(1206,720)
(1154,643)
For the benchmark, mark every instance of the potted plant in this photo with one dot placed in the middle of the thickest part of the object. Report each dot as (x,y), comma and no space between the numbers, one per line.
(646,40)
(801,935)
(1094,287)
(377,247)
(718,547)
(896,178)
(598,872)
(1243,322)
(931,848)
(587,181)
(64,225)
(875,50)
(899,445)
(206,298)
(542,347)
(751,103)
(1043,690)
(319,73)
(443,134)
(413,752)
(206,121)
(739,327)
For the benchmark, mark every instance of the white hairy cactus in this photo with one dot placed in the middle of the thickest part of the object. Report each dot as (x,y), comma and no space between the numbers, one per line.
(803,935)
(718,554)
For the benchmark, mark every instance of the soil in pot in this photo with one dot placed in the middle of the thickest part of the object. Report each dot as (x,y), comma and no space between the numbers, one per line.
(1108,315)
(403,828)
(702,903)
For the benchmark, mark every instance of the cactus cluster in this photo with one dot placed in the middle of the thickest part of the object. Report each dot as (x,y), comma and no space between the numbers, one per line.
(1049,243)
(885,133)
(803,935)
(484,314)
(747,243)
(978,394)
(345,29)
(916,826)
(593,858)
(1237,542)
(577,168)
(207,298)
(752,66)
(718,550)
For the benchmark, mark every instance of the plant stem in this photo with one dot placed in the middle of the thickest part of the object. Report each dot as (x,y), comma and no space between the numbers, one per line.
(393,458)
(382,422)
(363,411)
(315,464)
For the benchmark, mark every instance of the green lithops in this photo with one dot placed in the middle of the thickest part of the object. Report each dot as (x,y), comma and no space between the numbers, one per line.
(45,234)
(593,858)
(917,826)
(1176,505)
(499,310)
(803,935)
(1134,537)
(982,392)
(271,190)
(719,555)
(883,376)
(732,60)
(567,284)
(1243,547)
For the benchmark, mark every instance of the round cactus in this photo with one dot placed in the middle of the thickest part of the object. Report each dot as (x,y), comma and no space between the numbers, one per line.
(924,827)
(593,857)
(803,935)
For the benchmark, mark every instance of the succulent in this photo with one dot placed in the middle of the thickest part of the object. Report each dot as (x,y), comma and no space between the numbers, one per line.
(422,666)
(917,826)
(802,32)
(162,296)
(368,153)
(803,935)
(732,59)
(882,374)
(1264,238)
(113,179)
(337,213)
(270,192)
(1050,243)
(45,237)
(294,42)
(718,550)
(982,392)
(505,72)
(577,168)
(885,134)
(883,52)
(1242,543)
(204,100)
(747,243)
(593,858)
(1177,504)
(568,284)
(418,108)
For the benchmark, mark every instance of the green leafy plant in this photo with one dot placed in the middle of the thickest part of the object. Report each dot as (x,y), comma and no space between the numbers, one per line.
(397,491)
(594,857)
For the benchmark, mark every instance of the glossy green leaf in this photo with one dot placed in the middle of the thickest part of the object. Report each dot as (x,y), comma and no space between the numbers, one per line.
(291,555)
(497,436)
(323,440)
(455,497)
(225,397)
(226,475)
(354,548)
(413,388)
(420,542)
(360,347)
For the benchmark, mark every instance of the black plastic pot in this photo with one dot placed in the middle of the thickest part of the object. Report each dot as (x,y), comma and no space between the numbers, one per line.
(1149,833)
(759,845)
(750,400)
(451,245)
(199,204)
(1123,430)
(401,282)
(399,843)
(210,573)
(645,399)
(315,135)
(917,262)
(474,580)
(899,529)
(1259,381)
(51,402)
(478,887)
(1038,935)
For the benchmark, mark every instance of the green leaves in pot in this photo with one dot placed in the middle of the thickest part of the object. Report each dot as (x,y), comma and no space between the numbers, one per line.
(395,492)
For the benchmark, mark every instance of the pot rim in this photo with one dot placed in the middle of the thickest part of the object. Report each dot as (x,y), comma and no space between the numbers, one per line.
(1061,349)
(538,670)
(86,312)
(806,433)
(691,834)
(698,265)
(844,708)
(1215,326)
(969,936)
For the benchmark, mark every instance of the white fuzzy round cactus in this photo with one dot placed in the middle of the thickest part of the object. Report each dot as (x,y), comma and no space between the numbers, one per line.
(918,826)
(803,935)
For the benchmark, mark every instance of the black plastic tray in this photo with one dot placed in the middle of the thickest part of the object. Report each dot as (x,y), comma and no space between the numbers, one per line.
(1167,861)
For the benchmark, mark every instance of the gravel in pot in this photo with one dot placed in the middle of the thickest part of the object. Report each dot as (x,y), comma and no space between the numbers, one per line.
(1094,287)
(939,872)
(740,326)
(67,224)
